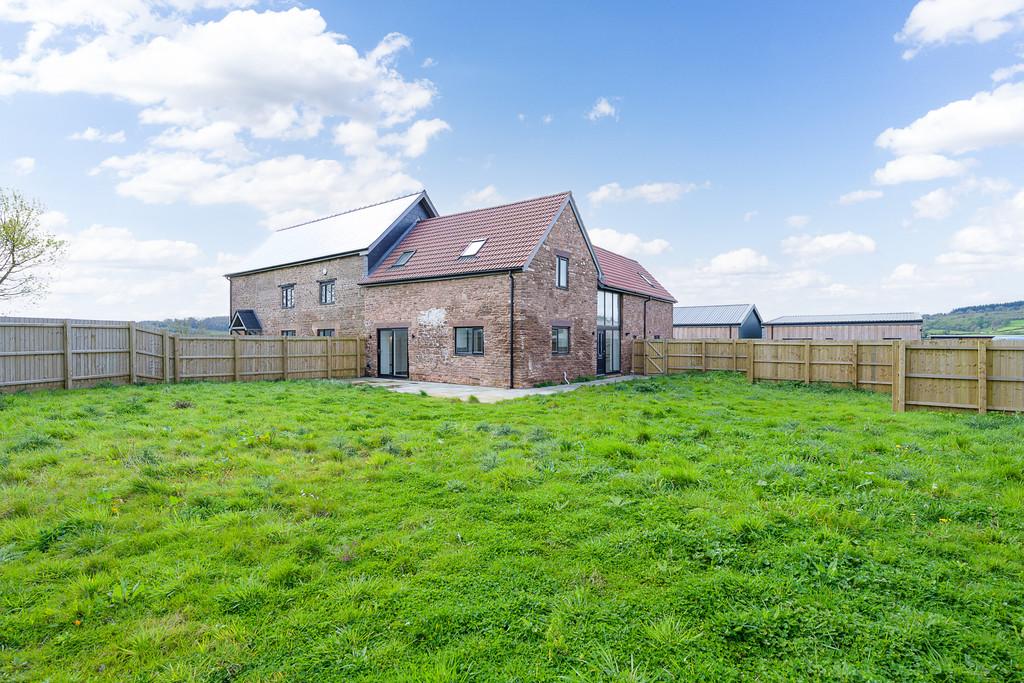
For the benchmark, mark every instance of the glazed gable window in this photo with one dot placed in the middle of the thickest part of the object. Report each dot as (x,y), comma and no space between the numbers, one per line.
(562,272)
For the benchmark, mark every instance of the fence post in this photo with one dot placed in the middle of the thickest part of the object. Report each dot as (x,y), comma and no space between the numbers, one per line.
(982,376)
(133,375)
(361,356)
(284,356)
(807,362)
(237,363)
(703,356)
(330,343)
(166,348)
(893,375)
(735,367)
(750,362)
(856,365)
(69,379)
(178,362)
(901,372)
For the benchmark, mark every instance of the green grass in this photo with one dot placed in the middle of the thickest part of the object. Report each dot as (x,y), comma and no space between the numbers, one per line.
(692,527)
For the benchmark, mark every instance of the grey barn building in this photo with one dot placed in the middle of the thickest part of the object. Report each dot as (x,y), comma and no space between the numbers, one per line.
(731,321)
(857,326)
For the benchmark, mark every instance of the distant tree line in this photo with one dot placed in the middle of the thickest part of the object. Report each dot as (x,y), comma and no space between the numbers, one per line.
(1005,318)
(217,324)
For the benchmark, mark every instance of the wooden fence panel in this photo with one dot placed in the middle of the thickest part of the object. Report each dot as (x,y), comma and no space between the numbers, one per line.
(50,354)
(920,375)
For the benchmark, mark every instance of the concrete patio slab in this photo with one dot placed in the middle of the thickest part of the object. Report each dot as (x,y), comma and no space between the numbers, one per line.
(483,394)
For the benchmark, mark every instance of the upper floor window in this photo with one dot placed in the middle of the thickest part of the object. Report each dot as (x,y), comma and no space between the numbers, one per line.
(560,340)
(562,272)
(327,291)
(403,259)
(287,296)
(287,333)
(645,279)
(469,341)
(328,332)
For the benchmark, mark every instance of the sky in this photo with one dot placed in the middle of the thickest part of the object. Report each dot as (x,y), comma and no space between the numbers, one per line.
(807,157)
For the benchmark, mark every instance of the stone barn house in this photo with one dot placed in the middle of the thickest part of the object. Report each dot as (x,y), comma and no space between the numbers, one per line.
(513,295)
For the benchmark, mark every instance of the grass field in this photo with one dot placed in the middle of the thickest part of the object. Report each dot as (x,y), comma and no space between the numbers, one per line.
(691,527)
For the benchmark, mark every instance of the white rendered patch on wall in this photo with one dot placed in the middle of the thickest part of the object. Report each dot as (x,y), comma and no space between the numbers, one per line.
(432,317)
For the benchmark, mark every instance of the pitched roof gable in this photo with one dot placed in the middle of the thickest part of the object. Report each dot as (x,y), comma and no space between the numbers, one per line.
(511,234)
(348,232)
(621,272)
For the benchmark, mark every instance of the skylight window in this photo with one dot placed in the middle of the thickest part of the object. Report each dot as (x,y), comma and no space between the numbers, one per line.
(646,279)
(403,259)
(473,248)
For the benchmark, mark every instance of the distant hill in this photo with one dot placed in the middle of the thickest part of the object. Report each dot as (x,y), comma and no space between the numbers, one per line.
(1005,318)
(216,325)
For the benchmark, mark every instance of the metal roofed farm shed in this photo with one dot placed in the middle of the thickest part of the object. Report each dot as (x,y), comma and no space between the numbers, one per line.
(856,326)
(730,321)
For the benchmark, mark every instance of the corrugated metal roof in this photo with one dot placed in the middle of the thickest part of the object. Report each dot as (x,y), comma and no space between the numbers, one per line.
(902,317)
(511,232)
(341,233)
(624,273)
(726,314)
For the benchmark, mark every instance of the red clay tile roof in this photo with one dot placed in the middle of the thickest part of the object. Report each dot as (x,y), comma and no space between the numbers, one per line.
(512,232)
(625,274)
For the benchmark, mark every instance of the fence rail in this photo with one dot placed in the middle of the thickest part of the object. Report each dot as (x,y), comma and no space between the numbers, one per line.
(52,354)
(974,375)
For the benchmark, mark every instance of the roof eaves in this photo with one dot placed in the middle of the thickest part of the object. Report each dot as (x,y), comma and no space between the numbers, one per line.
(316,259)
(366,282)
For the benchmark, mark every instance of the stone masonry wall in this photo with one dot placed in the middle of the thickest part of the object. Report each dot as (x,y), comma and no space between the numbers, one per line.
(541,305)
(659,322)
(262,293)
(431,311)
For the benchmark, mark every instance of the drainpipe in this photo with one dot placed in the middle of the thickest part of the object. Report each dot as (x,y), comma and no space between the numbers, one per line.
(645,316)
(511,330)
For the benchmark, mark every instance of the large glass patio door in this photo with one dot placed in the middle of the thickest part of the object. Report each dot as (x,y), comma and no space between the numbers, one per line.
(393,352)
(609,332)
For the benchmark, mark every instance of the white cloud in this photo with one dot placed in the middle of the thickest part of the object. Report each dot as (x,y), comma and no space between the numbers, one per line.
(918,167)
(749,216)
(993,242)
(652,193)
(23,165)
(547,119)
(814,247)
(602,109)
(905,272)
(219,139)
(628,243)
(935,205)
(797,221)
(738,262)
(51,221)
(858,196)
(987,119)
(521,116)
(1007,72)
(91,134)
(428,62)
(118,247)
(414,140)
(938,22)
(485,196)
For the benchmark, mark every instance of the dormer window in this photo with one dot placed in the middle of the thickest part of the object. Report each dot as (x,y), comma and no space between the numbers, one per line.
(403,259)
(473,248)
(645,278)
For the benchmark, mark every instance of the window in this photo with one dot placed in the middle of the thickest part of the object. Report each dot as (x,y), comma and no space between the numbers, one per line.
(562,272)
(645,278)
(469,341)
(472,249)
(327,291)
(287,296)
(403,259)
(329,332)
(287,333)
(560,340)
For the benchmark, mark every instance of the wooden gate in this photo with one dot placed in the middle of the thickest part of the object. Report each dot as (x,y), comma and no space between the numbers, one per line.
(654,357)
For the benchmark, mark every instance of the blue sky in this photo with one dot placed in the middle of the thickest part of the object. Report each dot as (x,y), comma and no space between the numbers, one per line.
(808,157)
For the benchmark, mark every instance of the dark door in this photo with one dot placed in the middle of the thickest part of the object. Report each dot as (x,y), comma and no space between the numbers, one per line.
(393,352)
(601,364)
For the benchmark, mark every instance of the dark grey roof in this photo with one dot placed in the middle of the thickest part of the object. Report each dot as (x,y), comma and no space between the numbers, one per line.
(728,314)
(903,317)
(247,319)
